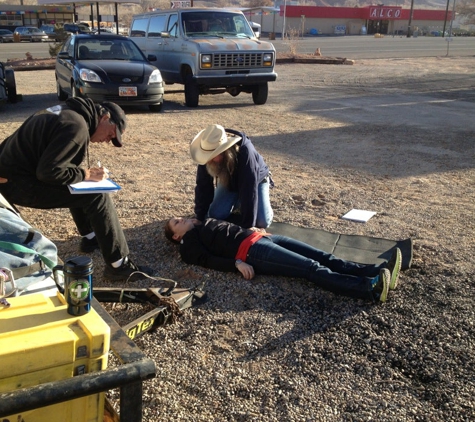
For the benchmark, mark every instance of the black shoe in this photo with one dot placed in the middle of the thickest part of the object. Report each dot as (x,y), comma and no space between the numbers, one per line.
(394,266)
(88,245)
(128,271)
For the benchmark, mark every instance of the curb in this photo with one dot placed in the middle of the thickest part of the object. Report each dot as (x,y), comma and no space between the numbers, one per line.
(315,60)
(283,60)
(25,68)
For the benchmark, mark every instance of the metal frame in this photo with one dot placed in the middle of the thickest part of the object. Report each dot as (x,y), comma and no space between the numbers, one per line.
(135,366)
(135,369)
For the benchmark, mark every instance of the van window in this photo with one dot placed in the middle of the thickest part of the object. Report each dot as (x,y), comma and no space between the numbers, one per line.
(139,27)
(157,25)
(172,27)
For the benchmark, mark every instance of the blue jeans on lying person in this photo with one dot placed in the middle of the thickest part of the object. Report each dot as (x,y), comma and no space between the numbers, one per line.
(226,201)
(284,256)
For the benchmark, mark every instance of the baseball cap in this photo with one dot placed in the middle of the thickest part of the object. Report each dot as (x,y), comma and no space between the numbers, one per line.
(118,118)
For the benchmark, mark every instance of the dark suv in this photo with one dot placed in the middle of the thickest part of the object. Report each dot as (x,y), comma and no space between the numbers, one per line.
(52,32)
(77,28)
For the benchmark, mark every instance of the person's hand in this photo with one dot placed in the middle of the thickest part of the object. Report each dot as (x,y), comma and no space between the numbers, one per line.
(246,270)
(257,229)
(3,180)
(96,174)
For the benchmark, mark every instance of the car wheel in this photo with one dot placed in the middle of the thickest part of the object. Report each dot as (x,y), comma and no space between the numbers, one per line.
(62,96)
(74,91)
(260,93)
(192,92)
(10,84)
(156,108)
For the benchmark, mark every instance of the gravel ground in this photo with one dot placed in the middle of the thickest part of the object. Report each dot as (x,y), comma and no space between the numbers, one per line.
(391,136)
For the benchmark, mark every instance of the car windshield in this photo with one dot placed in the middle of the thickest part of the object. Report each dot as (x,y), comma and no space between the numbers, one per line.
(215,24)
(47,28)
(100,49)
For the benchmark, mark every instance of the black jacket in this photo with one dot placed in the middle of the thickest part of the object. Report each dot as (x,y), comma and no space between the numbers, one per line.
(251,170)
(51,144)
(213,244)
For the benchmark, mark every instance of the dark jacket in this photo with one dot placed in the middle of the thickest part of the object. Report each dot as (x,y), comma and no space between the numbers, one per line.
(213,244)
(51,144)
(251,170)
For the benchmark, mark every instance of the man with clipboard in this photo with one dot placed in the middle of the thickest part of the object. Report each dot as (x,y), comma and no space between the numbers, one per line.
(44,156)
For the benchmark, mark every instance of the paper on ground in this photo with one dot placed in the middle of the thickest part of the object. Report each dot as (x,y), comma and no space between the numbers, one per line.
(360,216)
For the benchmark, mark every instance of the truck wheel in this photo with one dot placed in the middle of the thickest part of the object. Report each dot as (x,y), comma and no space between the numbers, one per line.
(10,85)
(260,93)
(62,96)
(192,92)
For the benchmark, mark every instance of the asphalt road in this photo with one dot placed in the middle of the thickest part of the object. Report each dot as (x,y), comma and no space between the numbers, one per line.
(350,47)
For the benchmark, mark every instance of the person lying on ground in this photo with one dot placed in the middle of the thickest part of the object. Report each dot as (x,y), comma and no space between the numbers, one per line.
(224,246)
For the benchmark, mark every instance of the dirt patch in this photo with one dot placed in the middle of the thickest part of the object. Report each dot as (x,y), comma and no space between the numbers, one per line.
(391,136)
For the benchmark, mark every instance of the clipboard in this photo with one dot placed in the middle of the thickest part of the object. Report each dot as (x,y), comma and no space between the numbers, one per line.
(104,186)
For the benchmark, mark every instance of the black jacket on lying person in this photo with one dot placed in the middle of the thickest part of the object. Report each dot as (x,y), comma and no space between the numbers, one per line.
(213,244)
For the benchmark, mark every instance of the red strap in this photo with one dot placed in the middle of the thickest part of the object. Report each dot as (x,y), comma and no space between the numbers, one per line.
(247,243)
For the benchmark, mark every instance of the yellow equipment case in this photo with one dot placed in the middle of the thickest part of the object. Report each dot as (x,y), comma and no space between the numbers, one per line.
(40,342)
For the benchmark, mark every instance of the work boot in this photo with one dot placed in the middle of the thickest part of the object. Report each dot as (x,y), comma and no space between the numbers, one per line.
(128,271)
(394,266)
(88,245)
(381,285)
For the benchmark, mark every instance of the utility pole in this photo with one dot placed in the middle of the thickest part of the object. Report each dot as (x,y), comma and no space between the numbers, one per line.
(409,30)
(445,20)
(283,23)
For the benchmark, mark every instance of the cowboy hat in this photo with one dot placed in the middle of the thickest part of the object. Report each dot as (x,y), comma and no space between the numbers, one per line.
(211,142)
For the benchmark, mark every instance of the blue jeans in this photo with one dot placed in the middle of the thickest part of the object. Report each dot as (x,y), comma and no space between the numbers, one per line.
(281,255)
(225,201)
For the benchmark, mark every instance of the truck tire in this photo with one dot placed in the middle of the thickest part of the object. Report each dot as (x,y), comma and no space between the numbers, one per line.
(10,85)
(260,93)
(192,92)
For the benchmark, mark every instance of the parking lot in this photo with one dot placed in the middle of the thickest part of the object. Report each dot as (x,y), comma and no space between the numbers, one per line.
(394,136)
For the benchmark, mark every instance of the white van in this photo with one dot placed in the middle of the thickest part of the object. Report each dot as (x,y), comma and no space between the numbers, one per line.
(209,51)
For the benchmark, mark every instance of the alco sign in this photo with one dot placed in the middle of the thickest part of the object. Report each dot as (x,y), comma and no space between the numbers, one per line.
(384,12)
(178,4)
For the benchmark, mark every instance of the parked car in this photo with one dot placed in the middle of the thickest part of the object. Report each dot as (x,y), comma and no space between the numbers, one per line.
(209,51)
(6,35)
(53,34)
(108,67)
(30,33)
(77,28)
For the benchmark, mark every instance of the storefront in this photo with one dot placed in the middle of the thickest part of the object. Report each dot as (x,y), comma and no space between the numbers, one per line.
(12,16)
(316,20)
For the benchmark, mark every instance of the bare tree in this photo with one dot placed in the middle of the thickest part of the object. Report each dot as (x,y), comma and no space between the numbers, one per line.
(257,3)
(149,5)
(466,9)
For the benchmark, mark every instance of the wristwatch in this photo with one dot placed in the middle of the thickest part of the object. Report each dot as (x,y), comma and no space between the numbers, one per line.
(238,261)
